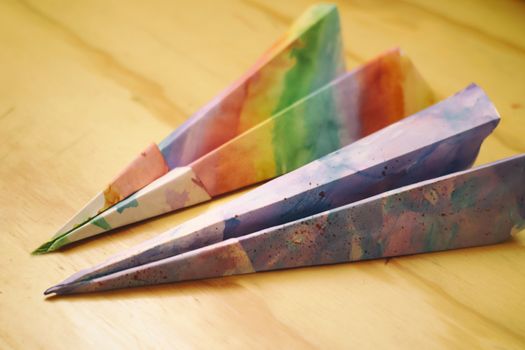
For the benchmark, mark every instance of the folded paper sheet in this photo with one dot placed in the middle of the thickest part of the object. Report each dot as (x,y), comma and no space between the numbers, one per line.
(439,140)
(475,207)
(307,57)
(349,108)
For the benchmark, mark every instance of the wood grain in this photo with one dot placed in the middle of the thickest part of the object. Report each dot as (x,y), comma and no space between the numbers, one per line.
(85,85)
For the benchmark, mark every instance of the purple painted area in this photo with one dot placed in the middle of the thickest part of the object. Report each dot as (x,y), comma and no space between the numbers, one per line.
(177,200)
(475,207)
(441,139)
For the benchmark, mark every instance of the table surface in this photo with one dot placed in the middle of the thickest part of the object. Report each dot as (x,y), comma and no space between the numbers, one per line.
(85,85)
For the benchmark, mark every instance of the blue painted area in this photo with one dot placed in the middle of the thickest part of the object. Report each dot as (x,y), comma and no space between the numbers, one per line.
(172,147)
(463,195)
(230,228)
(102,223)
(131,202)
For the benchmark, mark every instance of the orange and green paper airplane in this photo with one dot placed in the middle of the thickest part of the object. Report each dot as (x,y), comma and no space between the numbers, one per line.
(308,56)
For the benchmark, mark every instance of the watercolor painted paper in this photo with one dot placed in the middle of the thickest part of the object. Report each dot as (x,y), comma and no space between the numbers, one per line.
(439,140)
(352,106)
(308,56)
(470,208)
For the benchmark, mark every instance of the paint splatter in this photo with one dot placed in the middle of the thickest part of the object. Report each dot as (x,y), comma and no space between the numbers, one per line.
(177,200)
(128,203)
(102,223)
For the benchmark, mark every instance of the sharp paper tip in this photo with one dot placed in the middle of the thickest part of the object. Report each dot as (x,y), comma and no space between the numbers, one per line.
(59,289)
(44,248)
(54,289)
(52,245)
(65,289)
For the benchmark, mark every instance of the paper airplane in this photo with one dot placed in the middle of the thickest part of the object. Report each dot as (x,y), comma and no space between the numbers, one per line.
(308,56)
(470,208)
(439,140)
(345,110)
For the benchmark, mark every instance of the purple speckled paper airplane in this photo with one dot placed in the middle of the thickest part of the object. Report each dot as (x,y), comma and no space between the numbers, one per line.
(442,139)
(475,207)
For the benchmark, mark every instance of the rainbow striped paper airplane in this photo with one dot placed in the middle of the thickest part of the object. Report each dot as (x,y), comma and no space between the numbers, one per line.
(345,110)
(307,57)
(434,142)
(470,208)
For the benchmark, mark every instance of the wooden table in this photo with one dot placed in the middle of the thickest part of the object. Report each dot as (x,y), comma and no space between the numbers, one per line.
(85,85)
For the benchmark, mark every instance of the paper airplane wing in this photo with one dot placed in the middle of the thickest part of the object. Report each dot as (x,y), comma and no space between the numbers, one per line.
(309,56)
